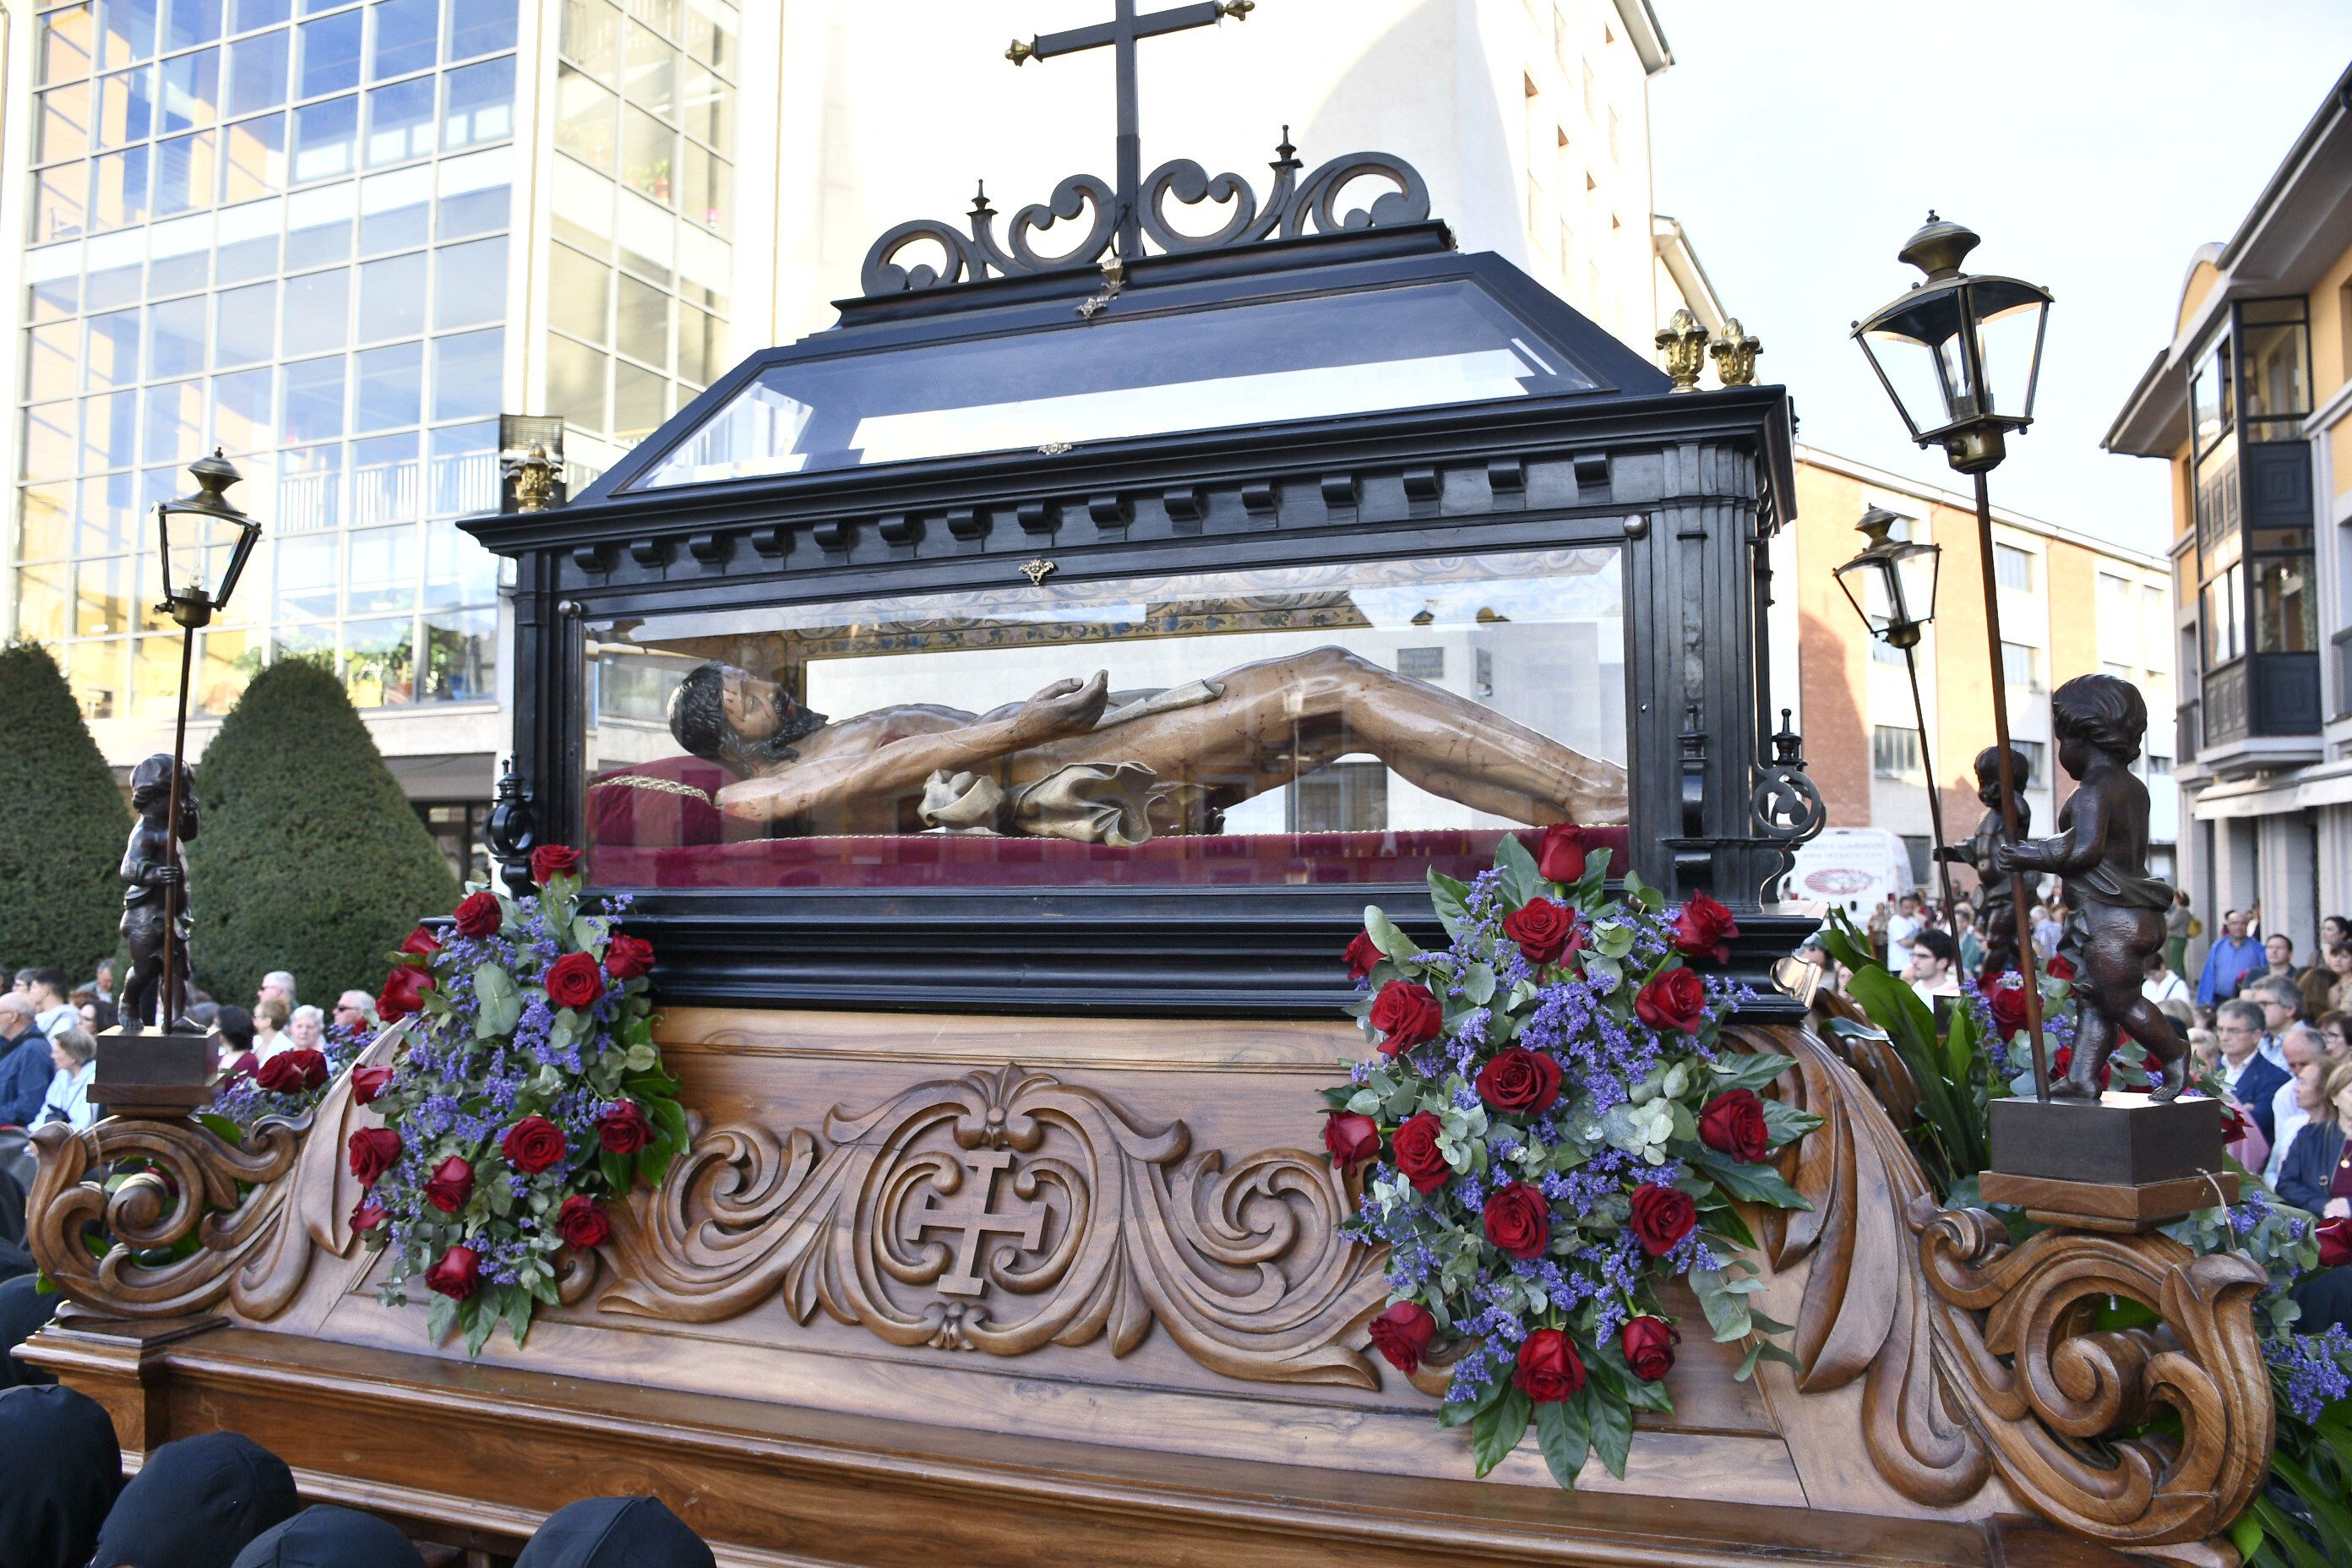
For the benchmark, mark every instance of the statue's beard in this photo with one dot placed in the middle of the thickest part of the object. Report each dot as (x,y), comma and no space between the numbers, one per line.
(752,758)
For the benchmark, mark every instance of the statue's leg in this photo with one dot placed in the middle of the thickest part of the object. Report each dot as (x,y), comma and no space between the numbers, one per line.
(2093,1041)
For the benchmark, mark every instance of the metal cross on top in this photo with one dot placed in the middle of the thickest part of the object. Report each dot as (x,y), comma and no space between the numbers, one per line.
(1121,33)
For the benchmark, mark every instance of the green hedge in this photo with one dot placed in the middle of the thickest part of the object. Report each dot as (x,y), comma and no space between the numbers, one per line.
(62,825)
(310,859)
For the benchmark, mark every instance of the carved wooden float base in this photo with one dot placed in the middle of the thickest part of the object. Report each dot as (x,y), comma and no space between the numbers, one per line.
(2093,1206)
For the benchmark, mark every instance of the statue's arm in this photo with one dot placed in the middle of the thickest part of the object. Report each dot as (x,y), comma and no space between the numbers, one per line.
(142,869)
(2076,847)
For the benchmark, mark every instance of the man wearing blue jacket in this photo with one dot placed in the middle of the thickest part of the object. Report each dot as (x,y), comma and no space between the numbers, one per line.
(25,1068)
(2252,1077)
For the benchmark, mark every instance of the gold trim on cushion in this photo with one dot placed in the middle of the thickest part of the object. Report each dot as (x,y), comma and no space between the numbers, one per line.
(660,786)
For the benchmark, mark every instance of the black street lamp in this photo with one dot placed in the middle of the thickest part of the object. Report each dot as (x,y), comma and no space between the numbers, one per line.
(1961,358)
(1891,586)
(204,541)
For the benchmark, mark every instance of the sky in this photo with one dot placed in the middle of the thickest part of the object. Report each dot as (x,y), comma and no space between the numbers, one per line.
(2095,144)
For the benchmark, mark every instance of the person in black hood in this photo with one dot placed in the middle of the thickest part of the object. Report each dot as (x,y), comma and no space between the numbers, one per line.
(328,1537)
(615,1532)
(24,1309)
(196,1503)
(63,1466)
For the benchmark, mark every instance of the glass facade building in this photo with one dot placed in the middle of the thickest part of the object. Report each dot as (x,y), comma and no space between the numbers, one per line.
(338,240)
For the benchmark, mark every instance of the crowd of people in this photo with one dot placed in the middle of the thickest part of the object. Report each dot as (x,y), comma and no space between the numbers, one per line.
(220,1500)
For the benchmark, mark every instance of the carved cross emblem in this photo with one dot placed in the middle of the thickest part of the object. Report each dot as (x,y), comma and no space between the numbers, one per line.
(969,1215)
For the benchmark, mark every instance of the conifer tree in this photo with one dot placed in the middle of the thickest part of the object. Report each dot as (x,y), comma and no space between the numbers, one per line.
(310,859)
(63,822)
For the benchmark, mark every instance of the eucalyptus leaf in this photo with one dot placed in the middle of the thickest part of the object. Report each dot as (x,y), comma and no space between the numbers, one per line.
(1363,1102)
(1727,1312)
(1521,880)
(1478,984)
(1749,1071)
(1453,903)
(500,1003)
(1385,935)
(1754,1184)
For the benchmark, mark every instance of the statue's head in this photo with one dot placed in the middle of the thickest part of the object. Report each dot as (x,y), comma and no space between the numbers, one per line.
(2100,713)
(151,784)
(2021,769)
(732,717)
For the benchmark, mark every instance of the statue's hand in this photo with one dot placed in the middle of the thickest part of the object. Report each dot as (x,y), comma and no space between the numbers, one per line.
(1066,707)
(167,876)
(2003,859)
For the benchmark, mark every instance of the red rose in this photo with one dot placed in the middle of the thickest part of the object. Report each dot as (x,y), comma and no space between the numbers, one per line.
(1403,1334)
(1733,1123)
(627,957)
(369,1214)
(532,1144)
(1407,1013)
(1649,1346)
(1673,1000)
(574,981)
(2233,1124)
(1550,1369)
(290,1070)
(2335,1243)
(456,1274)
(478,915)
(2062,1062)
(369,1083)
(403,994)
(1351,1139)
(1520,1080)
(1662,1217)
(373,1150)
(1704,929)
(421,943)
(1363,955)
(622,1129)
(1518,1219)
(580,1222)
(1561,854)
(1414,1149)
(1546,932)
(2007,1003)
(452,1185)
(550,862)
(2059,969)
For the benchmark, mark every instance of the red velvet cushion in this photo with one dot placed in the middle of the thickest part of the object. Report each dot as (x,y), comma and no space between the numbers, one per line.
(654,805)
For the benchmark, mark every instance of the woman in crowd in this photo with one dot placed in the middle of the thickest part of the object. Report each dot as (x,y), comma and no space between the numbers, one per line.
(270,1016)
(306,1028)
(2336,1034)
(2316,1176)
(197,1503)
(232,1039)
(76,1056)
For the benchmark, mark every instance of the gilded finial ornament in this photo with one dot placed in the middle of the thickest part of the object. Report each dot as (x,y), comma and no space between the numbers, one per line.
(1733,350)
(1020,53)
(1238,10)
(1682,342)
(1037,569)
(534,479)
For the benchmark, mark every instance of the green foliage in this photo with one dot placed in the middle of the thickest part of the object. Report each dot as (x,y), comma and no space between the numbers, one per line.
(2310,1526)
(1952,1138)
(62,825)
(311,858)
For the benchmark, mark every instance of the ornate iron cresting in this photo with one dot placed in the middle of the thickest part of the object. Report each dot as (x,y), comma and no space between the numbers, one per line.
(1293,207)
(512,832)
(1787,803)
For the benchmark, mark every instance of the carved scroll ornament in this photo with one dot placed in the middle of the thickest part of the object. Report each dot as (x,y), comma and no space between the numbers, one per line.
(259,1211)
(1004,1211)
(1982,1359)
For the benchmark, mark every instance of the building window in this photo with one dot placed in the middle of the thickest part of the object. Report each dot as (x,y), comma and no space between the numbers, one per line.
(1894,753)
(2274,375)
(456,829)
(2037,771)
(1885,652)
(2158,767)
(1346,797)
(1421,663)
(2020,666)
(2212,406)
(2012,567)
(2285,617)
(1917,846)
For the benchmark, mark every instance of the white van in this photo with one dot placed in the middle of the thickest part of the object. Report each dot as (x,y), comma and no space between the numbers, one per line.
(1853,868)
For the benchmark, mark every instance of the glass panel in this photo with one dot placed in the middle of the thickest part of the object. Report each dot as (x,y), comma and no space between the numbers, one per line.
(155,675)
(312,407)
(46,529)
(317,311)
(41,604)
(60,208)
(2277,381)
(709,198)
(48,299)
(590,36)
(183,251)
(585,122)
(395,210)
(648,155)
(184,174)
(1420,345)
(461,655)
(706,104)
(63,130)
(2223,618)
(103,596)
(306,576)
(175,422)
(643,323)
(310,491)
(379,662)
(385,479)
(408,33)
(2210,400)
(701,346)
(392,297)
(469,374)
(575,383)
(53,361)
(473,192)
(126,107)
(326,139)
(481,104)
(187,22)
(464,476)
(64,44)
(110,431)
(126,31)
(390,387)
(190,93)
(329,54)
(257,73)
(480,27)
(383,570)
(113,519)
(400,121)
(175,338)
(1199,756)
(95,671)
(247,14)
(244,325)
(318,226)
(114,349)
(253,158)
(241,410)
(120,189)
(469,283)
(649,73)
(457,570)
(225,663)
(49,441)
(710,27)
(249,241)
(640,402)
(2286,618)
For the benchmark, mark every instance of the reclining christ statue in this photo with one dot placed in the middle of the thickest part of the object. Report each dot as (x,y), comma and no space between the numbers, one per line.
(1070,763)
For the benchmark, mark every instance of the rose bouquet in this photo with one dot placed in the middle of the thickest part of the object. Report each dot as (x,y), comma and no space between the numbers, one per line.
(529,1095)
(288,1084)
(1548,1127)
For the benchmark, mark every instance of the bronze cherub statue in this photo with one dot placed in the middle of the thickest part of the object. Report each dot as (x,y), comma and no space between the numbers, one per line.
(151,864)
(1996,908)
(2101,850)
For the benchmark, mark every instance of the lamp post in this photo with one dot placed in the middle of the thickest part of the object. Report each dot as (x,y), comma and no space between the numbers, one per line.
(1896,599)
(204,541)
(1960,356)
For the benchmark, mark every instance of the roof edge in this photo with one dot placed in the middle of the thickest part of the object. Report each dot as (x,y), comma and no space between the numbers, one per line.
(1649,39)
(1921,489)
(2337,103)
